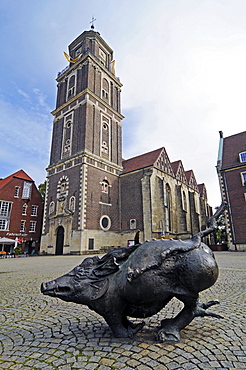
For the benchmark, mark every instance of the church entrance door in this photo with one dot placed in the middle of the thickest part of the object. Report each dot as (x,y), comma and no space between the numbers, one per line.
(59,240)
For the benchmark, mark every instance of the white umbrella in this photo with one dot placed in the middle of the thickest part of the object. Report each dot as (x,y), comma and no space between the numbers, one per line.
(6,241)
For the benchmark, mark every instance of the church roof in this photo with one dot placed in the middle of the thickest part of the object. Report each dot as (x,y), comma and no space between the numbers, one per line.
(157,158)
(179,172)
(202,190)
(141,161)
(191,180)
(19,174)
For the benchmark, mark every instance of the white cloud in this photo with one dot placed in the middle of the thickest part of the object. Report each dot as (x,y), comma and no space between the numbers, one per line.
(25,140)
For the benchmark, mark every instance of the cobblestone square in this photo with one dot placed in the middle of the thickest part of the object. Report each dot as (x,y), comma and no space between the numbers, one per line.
(40,332)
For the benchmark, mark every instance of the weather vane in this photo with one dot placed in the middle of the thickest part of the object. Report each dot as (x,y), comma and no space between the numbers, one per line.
(92,22)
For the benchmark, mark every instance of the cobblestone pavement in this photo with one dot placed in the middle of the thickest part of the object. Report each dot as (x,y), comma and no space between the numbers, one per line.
(40,332)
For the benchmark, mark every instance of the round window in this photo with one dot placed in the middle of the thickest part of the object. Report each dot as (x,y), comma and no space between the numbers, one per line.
(105,223)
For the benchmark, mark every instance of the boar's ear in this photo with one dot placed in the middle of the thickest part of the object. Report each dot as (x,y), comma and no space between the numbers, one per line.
(136,239)
(99,288)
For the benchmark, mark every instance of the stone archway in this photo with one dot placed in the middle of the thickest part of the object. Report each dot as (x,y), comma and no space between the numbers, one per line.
(59,240)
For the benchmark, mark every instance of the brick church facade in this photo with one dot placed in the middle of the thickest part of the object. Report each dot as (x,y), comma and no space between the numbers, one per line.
(94,199)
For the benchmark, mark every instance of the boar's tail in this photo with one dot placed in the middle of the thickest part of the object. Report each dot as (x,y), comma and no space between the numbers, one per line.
(212,224)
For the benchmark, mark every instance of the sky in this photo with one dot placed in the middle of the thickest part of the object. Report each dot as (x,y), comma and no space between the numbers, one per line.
(181,62)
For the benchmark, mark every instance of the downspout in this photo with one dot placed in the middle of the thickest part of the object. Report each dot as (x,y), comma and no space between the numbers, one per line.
(229,209)
(220,151)
(222,180)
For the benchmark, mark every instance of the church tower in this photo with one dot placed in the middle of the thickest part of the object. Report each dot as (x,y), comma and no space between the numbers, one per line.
(82,197)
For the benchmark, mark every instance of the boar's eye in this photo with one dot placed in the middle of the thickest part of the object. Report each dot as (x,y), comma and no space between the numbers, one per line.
(80,273)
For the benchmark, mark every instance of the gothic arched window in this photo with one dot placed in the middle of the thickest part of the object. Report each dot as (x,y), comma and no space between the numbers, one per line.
(184,202)
(168,205)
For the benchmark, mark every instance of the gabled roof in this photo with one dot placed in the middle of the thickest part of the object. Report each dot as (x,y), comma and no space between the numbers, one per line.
(19,174)
(232,146)
(141,161)
(202,190)
(157,158)
(191,180)
(179,171)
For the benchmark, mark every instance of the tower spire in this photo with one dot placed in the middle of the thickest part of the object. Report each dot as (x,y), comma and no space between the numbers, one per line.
(92,23)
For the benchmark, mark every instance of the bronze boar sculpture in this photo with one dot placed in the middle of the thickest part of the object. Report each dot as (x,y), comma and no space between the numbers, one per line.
(138,281)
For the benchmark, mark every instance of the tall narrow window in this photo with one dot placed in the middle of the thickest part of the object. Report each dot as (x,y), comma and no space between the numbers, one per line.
(24,210)
(52,207)
(34,211)
(33,226)
(168,205)
(72,204)
(102,57)
(105,89)
(91,243)
(17,189)
(27,188)
(71,87)
(184,202)
(22,228)
(4,224)
(67,136)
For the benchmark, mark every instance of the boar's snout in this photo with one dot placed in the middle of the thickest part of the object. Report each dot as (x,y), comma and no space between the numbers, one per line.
(53,289)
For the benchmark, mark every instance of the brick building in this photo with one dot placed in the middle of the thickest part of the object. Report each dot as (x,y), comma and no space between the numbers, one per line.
(93,198)
(231,167)
(21,211)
